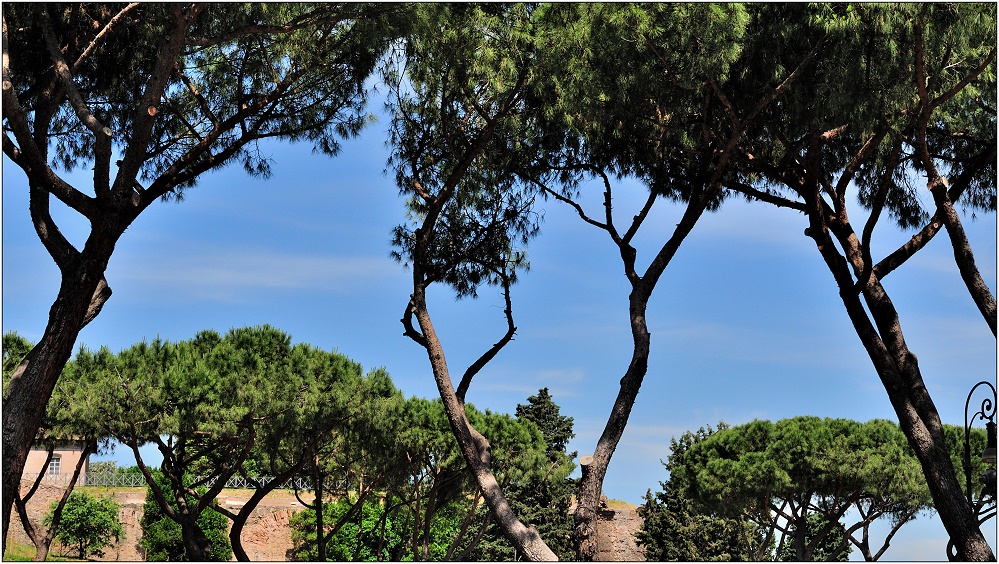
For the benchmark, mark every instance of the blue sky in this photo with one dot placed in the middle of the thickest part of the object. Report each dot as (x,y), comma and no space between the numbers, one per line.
(746,323)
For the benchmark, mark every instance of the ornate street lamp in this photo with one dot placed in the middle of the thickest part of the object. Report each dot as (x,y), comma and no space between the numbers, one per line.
(988,480)
(986,413)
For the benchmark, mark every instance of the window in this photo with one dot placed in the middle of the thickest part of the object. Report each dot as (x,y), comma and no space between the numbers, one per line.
(54,464)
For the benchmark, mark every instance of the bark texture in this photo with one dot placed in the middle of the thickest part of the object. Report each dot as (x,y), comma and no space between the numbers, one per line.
(83,289)
(964,257)
(474,447)
(896,365)
(82,292)
(591,484)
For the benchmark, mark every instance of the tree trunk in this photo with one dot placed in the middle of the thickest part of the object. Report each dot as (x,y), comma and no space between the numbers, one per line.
(963,255)
(317,485)
(591,484)
(43,543)
(40,542)
(81,295)
(801,552)
(899,372)
(239,519)
(474,447)
(21,505)
(428,515)
(197,547)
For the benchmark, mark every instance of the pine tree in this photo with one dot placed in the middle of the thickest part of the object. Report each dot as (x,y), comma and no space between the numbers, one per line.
(544,500)
(675,528)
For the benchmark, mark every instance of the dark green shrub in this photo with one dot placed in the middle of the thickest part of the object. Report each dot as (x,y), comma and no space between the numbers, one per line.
(88,523)
(161,535)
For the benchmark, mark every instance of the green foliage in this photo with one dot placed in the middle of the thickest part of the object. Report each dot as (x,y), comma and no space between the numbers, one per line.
(829,549)
(377,536)
(63,414)
(777,473)
(860,82)
(676,528)
(88,524)
(102,467)
(978,438)
(430,509)
(15,348)
(628,82)
(162,538)
(206,395)
(554,427)
(465,144)
(541,495)
(544,503)
(345,433)
(303,535)
(437,476)
(246,403)
(248,71)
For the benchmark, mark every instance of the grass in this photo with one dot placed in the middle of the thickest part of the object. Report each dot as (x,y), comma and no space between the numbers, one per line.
(17,552)
(618,504)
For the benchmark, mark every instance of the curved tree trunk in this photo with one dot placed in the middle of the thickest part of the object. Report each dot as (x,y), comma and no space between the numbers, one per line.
(899,372)
(239,518)
(43,543)
(474,447)
(82,293)
(937,184)
(239,521)
(21,505)
(591,484)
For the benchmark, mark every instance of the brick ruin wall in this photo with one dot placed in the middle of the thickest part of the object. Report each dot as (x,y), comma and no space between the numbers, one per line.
(266,536)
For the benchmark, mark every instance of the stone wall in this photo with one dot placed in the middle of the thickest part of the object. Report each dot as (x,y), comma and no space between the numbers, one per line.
(266,536)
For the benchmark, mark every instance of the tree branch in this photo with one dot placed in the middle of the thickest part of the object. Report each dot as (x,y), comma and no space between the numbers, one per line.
(466,378)
(762,196)
(407,323)
(102,133)
(102,34)
(28,155)
(637,221)
(573,204)
(142,123)
(876,208)
(954,90)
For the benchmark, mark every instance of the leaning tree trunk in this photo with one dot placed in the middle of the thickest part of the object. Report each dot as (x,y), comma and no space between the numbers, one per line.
(920,420)
(474,447)
(21,505)
(239,518)
(937,184)
(964,257)
(595,469)
(899,372)
(43,543)
(82,293)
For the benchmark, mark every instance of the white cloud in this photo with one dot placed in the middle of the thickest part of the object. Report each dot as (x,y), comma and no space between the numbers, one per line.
(219,273)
